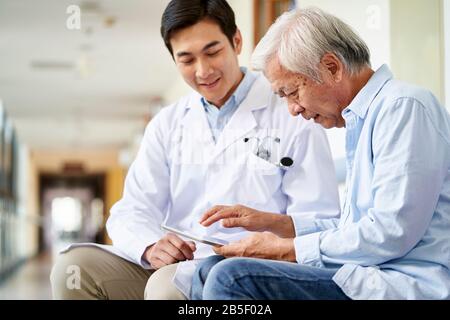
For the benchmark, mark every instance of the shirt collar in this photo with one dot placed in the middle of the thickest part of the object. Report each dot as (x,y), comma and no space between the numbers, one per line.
(238,95)
(361,102)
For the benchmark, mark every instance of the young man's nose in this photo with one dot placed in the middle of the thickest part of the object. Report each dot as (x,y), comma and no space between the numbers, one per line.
(204,70)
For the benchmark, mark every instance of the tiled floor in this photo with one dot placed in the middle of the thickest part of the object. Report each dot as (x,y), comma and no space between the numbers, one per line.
(30,282)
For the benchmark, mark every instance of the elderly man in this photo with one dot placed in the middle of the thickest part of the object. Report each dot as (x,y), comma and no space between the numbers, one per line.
(392,240)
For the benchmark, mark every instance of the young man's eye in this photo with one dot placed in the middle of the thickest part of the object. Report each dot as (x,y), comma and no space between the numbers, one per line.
(212,54)
(187,62)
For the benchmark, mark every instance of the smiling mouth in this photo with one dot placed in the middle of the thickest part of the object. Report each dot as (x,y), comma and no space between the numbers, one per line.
(211,84)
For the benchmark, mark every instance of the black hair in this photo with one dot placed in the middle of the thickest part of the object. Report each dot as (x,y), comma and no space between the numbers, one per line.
(180,14)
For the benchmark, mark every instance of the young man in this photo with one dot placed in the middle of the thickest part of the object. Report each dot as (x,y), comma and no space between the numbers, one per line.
(222,144)
(392,240)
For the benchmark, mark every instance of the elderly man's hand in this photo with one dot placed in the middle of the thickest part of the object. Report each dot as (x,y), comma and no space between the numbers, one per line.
(250,219)
(263,245)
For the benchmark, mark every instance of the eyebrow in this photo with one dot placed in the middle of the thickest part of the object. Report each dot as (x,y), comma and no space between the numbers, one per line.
(205,48)
(280,92)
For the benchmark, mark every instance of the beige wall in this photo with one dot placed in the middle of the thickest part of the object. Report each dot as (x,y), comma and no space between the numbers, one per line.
(417,49)
(446,15)
(27,205)
(115,178)
(94,161)
(369,18)
(243,10)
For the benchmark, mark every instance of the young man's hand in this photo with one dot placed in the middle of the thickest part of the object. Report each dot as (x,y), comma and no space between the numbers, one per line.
(168,250)
(250,219)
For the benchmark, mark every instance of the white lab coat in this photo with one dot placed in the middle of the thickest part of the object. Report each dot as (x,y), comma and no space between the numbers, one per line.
(180,172)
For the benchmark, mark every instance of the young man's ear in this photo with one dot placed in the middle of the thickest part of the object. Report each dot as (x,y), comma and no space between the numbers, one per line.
(332,66)
(237,41)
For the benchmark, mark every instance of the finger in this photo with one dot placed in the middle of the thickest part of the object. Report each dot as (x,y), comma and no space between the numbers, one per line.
(227,251)
(157,263)
(219,215)
(234,222)
(192,245)
(170,248)
(218,250)
(211,212)
(187,250)
(176,253)
(179,248)
(166,258)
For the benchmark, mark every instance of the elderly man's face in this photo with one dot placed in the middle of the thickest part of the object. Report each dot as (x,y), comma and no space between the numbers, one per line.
(318,101)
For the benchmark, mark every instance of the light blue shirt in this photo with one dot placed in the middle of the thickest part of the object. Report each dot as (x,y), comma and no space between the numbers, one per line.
(218,118)
(393,238)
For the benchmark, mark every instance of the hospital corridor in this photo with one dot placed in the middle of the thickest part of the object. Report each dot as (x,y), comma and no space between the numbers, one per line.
(80,80)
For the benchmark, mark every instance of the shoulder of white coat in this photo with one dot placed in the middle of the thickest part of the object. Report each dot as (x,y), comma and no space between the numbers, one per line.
(170,116)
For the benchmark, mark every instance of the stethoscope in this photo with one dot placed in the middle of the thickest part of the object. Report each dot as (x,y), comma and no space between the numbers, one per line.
(265,153)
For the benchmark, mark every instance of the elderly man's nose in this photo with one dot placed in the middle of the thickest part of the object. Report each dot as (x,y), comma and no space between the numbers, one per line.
(295,109)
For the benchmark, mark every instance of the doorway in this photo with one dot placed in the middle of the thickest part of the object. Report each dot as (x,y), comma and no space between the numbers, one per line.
(73,211)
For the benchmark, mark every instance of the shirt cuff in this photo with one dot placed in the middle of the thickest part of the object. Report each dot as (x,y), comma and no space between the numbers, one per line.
(303,225)
(138,253)
(307,250)
(143,263)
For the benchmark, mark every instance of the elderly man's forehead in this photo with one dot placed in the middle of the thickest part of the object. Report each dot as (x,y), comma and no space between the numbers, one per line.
(275,71)
(274,67)
(280,77)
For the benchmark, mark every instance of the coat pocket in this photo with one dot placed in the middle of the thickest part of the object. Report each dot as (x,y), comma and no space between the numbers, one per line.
(259,181)
(261,166)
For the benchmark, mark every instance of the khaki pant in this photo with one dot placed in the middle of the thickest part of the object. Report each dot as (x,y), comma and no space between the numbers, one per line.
(89,273)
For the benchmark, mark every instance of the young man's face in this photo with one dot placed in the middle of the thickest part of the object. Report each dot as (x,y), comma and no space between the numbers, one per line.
(207,60)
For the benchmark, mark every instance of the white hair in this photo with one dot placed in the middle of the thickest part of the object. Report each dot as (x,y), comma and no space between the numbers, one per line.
(300,38)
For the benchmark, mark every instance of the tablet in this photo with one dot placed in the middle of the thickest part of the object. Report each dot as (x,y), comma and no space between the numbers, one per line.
(203,239)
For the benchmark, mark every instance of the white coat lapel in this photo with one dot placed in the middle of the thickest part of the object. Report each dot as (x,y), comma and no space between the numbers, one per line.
(243,120)
(195,121)
(195,143)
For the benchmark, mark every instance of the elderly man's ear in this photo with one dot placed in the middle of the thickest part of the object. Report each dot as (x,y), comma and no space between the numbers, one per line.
(332,67)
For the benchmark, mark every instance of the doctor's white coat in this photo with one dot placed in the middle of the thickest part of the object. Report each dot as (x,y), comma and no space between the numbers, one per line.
(180,172)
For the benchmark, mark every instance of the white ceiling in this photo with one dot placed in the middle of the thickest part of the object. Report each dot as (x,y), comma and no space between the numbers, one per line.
(109,79)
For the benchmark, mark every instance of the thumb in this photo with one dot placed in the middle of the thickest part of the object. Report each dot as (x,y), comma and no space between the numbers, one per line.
(218,250)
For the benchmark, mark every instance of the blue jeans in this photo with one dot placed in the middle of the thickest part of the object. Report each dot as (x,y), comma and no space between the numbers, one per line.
(218,278)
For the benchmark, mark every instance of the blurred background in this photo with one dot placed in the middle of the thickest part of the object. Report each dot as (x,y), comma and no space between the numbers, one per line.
(80,79)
